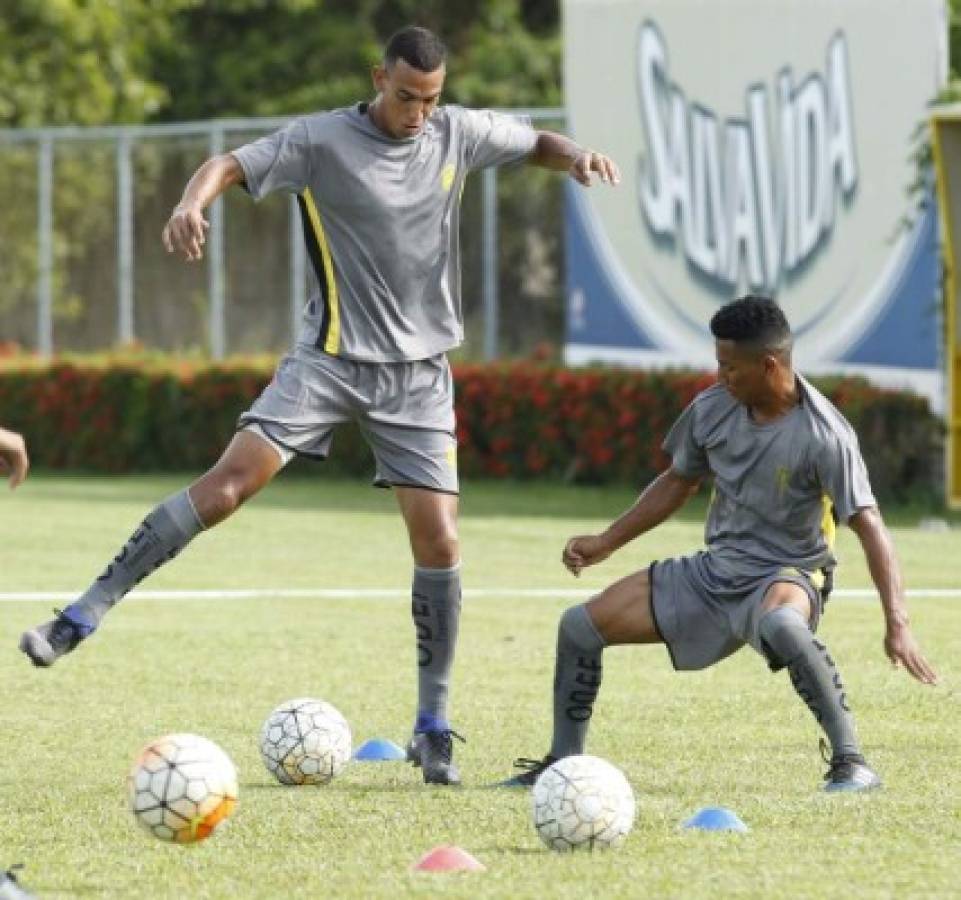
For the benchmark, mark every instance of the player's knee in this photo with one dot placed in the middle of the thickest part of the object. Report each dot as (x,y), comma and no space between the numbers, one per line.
(780,631)
(577,629)
(217,497)
(438,550)
(787,593)
(218,502)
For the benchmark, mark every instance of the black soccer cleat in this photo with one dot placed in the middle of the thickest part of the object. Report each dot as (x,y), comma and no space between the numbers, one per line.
(433,751)
(46,643)
(847,772)
(531,771)
(850,772)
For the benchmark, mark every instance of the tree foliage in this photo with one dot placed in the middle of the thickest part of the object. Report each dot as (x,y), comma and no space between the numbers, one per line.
(298,55)
(954,39)
(116,61)
(83,63)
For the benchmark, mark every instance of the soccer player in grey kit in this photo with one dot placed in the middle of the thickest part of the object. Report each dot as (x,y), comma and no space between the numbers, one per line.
(379,187)
(786,466)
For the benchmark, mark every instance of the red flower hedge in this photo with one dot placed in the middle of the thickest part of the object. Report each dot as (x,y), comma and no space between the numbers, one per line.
(519,420)
(524,421)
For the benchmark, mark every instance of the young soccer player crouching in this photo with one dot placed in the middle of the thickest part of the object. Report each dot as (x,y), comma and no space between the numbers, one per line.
(786,466)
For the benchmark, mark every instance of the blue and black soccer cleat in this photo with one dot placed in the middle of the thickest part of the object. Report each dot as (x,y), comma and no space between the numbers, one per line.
(46,643)
(433,751)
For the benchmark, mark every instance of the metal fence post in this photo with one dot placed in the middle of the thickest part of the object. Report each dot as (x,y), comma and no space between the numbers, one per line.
(125,263)
(215,261)
(489,261)
(298,263)
(45,245)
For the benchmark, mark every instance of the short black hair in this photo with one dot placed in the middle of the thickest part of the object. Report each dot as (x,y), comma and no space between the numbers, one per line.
(419,47)
(754,322)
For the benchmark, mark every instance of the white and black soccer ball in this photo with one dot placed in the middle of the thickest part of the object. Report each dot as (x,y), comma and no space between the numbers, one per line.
(582,803)
(305,741)
(182,787)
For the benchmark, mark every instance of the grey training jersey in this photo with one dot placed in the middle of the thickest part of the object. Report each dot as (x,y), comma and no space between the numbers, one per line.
(774,484)
(381,219)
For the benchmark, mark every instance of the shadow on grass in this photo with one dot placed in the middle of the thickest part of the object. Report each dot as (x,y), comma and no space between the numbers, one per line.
(480,498)
(510,850)
(415,786)
(323,493)
(74,889)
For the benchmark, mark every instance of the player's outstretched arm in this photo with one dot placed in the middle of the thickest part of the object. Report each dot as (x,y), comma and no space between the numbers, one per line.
(13,457)
(560,153)
(660,499)
(899,643)
(186,229)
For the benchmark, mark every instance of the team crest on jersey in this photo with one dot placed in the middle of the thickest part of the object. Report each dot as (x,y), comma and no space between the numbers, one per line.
(447,176)
(783,477)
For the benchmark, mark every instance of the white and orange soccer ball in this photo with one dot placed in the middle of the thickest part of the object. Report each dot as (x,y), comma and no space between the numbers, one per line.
(182,787)
(305,741)
(582,803)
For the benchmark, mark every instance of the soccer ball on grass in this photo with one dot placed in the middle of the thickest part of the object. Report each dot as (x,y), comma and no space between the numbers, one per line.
(182,787)
(582,803)
(305,741)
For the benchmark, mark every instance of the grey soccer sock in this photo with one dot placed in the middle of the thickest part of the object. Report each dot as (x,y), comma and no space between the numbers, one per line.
(168,528)
(435,607)
(789,642)
(577,677)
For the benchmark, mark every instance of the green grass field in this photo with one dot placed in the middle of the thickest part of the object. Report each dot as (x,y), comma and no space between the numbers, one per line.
(734,736)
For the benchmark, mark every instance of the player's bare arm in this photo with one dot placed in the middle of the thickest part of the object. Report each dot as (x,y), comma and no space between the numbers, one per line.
(560,153)
(658,501)
(186,229)
(13,457)
(899,643)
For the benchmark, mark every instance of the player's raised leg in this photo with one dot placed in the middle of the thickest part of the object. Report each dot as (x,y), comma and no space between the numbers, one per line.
(248,463)
(621,614)
(431,519)
(787,642)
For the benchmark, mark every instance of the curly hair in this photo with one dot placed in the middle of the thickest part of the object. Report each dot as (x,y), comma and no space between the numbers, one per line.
(754,321)
(418,47)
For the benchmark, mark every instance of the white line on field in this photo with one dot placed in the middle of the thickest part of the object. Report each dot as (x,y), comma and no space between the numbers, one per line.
(390,593)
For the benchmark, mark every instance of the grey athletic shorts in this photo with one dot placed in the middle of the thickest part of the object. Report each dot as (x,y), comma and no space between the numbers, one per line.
(405,411)
(701,623)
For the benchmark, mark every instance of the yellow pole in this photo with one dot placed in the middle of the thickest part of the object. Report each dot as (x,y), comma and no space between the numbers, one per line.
(952,412)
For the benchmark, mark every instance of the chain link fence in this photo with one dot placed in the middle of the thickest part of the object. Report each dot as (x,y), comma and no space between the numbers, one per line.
(83,268)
